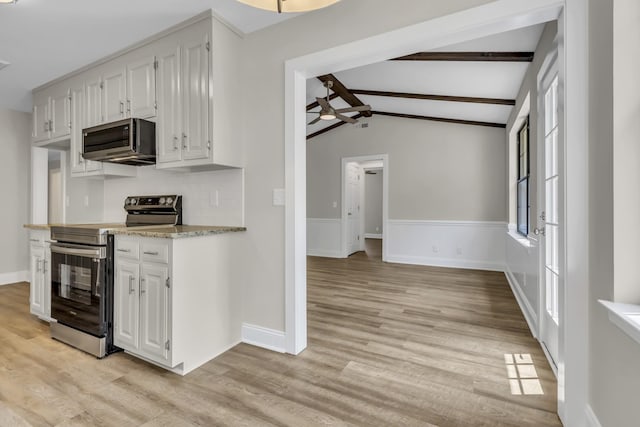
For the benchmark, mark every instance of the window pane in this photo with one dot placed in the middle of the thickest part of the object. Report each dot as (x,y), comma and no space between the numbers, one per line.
(523,206)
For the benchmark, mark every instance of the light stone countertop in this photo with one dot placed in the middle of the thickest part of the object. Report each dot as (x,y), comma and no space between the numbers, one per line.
(158,231)
(176,232)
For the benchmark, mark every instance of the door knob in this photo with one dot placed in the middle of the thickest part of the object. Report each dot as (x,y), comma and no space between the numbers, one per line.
(538,231)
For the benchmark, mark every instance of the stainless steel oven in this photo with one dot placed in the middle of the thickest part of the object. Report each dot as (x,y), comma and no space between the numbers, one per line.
(82,288)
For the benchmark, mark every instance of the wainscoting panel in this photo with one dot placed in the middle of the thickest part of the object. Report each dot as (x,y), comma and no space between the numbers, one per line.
(323,237)
(523,276)
(460,244)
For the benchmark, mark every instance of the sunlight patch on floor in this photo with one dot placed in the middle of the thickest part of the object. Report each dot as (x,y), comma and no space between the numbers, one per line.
(522,375)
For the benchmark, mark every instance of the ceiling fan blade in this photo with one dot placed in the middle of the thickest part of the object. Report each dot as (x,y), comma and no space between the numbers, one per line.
(323,103)
(350,109)
(345,118)
(317,119)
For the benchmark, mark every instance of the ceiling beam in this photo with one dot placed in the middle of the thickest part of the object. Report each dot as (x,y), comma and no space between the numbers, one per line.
(440,119)
(468,56)
(333,126)
(315,104)
(343,92)
(496,101)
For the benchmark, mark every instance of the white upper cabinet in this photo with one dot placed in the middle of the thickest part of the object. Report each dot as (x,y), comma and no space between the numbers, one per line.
(141,87)
(51,114)
(114,94)
(186,80)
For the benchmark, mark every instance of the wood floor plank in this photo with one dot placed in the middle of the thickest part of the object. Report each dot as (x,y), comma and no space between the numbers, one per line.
(388,345)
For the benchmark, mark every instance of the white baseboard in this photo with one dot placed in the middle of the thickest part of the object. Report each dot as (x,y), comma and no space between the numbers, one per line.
(263,337)
(592,420)
(372,236)
(529,313)
(445,262)
(324,253)
(15,277)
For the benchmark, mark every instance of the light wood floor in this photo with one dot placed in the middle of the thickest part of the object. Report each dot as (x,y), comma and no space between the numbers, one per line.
(389,345)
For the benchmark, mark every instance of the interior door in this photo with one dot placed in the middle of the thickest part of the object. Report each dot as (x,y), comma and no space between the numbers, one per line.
(353,178)
(551,218)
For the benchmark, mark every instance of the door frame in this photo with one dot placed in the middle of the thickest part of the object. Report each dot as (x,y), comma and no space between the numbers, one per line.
(549,65)
(385,201)
(481,21)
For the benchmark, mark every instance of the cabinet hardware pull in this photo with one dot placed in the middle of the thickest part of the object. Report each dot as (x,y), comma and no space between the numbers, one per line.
(34,240)
(124,250)
(80,158)
(46,126)
(122,108)
(51,125)
(150,253)
(184,141)
(44,266)
(175,143)
(128,105)
(131,290)
(142,290)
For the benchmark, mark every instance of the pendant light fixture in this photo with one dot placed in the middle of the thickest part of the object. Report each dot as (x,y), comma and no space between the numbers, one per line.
(285,6)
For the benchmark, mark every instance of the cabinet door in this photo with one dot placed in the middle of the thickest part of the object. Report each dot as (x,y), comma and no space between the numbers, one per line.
(154,311)
(59,116)
(141,88)
(114,95)
(126,311)
(40,117)
(36,296)
(195,86)
(168,126)
(93,102)
(77,123)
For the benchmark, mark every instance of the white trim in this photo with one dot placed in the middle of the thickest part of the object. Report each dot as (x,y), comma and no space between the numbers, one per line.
(372,236)
(446,262)
(592,420)
(529,313)
(495,17)
(264,337)
(497,224)
(14,277)
(619,316)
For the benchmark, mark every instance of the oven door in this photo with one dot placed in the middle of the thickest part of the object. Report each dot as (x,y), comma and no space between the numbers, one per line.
(78,280)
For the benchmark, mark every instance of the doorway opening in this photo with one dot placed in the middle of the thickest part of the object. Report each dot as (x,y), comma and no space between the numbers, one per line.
(365,198)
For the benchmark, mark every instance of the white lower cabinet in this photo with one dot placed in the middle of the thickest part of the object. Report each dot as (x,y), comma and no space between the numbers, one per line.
(142,305)
(40,272)
(175,302)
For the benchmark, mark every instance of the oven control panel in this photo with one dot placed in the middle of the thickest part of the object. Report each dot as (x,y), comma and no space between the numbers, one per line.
(152,202)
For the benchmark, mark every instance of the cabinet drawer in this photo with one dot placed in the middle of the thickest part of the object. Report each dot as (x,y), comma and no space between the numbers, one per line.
(38,237)
(127,249)
(155,252)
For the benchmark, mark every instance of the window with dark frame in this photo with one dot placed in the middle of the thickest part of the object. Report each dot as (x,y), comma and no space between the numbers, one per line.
(523,179)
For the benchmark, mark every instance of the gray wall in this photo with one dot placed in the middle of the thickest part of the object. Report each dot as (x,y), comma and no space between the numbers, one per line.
(372,202)
(264,53)
(437,171)
(614,206)
(15,132)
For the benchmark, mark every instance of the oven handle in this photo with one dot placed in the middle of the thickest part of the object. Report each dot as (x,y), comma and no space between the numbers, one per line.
(81,251)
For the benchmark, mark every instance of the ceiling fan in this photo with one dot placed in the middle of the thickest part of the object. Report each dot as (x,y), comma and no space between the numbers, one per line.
(327,112)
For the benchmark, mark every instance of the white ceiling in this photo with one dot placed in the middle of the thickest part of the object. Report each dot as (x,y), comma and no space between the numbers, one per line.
(45,39)
(467,79)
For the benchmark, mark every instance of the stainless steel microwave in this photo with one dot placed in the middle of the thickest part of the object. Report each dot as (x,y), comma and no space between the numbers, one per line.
(129,141)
